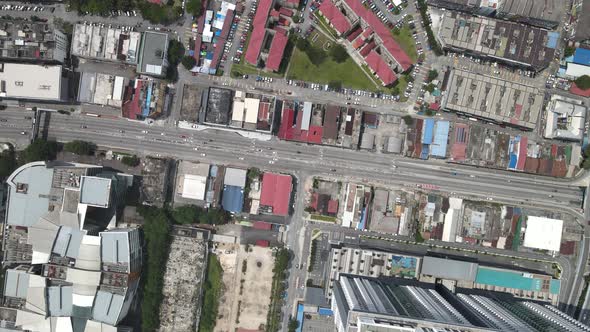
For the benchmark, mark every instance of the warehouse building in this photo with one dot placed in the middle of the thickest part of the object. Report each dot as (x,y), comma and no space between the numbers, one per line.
(234,182)
(492,99)
(497,40)
(565,119)
(153,54)
(275,196)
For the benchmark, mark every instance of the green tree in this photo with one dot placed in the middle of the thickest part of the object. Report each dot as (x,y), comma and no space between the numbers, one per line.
(130,161)
(175,51)
(194,7)
(293,325)
(569,51)
(583,82)
(296,19)
(40,150)
(338,53)
(7,162)
(432,75)
(430,87)
(408,120)
(156,229)
(186,214)
(189,62)
(79,147)
(335,85)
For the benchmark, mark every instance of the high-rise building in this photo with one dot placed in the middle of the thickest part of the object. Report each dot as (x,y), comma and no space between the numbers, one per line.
(392,304)
(69,267)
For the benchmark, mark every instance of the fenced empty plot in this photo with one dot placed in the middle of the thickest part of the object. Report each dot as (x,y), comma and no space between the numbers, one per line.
(247,281)
(183,279)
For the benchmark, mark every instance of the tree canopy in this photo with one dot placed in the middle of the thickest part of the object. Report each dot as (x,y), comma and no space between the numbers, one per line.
(194,7)
(40,150)
(80,147)
(432,75)
(192,214)
(7,162)
(130,161)
(583,82)
(189,62)
(338,53)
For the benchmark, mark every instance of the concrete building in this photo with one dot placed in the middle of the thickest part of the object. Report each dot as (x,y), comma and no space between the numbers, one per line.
(565,118)
(77,267)
(32,41)
(101,89)
(234,182)
(394,304)
(105,43)
(492,99)
(32,82)
(543,233)
(546,14)
(153,54)
(191,182)
(497,40)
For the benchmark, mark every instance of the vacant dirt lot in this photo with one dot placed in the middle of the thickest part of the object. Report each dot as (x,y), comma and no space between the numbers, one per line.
(247,279)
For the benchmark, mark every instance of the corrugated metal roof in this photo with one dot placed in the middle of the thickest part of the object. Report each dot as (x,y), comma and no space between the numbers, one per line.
(306,119)
(67,243)
(449,269)
(582,56)
(107,307)
(59,300)
(441,136)
(114,247)
(235,177)
(428,131)
(232,199)
(16,284)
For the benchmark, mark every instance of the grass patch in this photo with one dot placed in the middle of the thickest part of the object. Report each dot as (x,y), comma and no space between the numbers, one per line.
(273,319)
(156,229)
(212,292)
(406,41)
(348,72)
(322,218)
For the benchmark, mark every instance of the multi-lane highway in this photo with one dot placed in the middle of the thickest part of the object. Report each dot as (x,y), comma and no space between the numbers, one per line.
(303,160)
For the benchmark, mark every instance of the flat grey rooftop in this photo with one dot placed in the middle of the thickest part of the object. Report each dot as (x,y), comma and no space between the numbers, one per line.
(95,191)
(29,187)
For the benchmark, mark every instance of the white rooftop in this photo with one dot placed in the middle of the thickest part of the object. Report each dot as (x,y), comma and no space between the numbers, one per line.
(565,119)
(29,81)
(543,233)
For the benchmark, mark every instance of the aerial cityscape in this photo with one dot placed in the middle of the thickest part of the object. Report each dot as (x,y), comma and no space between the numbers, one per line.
(295,165)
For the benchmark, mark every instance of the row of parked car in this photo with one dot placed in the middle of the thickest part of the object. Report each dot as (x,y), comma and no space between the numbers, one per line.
(27,8)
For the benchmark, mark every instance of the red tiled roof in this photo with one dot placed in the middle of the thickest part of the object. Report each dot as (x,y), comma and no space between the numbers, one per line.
(219,45)
(367,32)
(290,129)
(275,55)
(383,32)
(286,12)
(577,91)
(331,122)
(276,192)
(358,43)
(434,106)
(197,49)
(522,149)
(334,16)
(381,68)
(229,17)
(274,13)
(259,31)
(367,48)
(131,108)
(354,34)
(263,111)
(280,30)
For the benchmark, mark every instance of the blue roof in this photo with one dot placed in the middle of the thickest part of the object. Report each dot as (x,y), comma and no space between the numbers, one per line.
(554,286)
(441,135)
(508,279)
(325,312)
(552,40)
(425,151)
(232,199)
(427,131)
(582,56)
